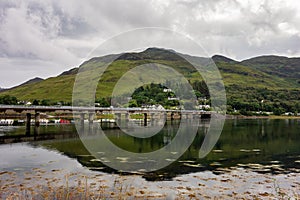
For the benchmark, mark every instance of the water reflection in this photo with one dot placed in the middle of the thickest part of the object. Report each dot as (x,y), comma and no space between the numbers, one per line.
(139,155)
(262,145)
(13,134)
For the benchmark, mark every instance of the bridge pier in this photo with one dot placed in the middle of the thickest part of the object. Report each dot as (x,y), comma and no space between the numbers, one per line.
(28,121)
(196,116)
(37,119)
(36,131)
(100,113)
(145,119)
(91,118)
(172,116)
(81,119)
(91,121)
(165,116)
(152,115)
(127,117)
(152,118)
(36,124)
(118,118)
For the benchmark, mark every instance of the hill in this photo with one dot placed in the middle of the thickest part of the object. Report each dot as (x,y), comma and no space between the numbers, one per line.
(276,65)
(31,81)
(220,58)
(273,79)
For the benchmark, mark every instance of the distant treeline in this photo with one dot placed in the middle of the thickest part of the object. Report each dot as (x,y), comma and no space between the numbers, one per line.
(249,99)
(240,100)
(8,100)
(11,100)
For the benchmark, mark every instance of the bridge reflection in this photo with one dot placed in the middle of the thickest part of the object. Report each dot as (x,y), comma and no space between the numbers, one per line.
(36,136)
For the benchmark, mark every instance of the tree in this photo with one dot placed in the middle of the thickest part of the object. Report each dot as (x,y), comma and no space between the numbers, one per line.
(103,102)
(8,100)
(35,102)
(278,111)
(132,103)
(45,102)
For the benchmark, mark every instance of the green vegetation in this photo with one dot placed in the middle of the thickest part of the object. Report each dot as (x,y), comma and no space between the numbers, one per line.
(8,100)
(151,95)
(248,99)
(267,83)
(53,89)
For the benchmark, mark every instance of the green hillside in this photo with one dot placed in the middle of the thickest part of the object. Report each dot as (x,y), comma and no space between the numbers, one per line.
(276,65)
(55,89)
(275,80)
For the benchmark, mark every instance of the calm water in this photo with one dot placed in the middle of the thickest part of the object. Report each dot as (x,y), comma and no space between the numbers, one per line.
(262,145)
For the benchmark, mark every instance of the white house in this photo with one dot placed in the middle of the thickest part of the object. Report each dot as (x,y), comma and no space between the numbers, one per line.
(167,90)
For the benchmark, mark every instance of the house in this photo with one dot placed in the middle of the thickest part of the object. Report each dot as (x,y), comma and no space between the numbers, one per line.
(167,90)
(173,98)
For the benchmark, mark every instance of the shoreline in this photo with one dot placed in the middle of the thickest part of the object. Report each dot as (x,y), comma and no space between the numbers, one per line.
(260,117)
(233,183)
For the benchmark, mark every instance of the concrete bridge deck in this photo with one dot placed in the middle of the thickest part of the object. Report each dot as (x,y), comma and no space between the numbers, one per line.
(90,112)
(37,109)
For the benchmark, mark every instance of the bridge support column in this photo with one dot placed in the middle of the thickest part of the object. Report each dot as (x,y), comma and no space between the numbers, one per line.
(91,118)
(152,118)
(152,115)
(91,121)
(172,116)
(118,118)
(165,116)
(145,119)
(28,121)
(36,131)
(81,119)
(37,119)
(81,123)
(101,116)
(196,116)
(127,117)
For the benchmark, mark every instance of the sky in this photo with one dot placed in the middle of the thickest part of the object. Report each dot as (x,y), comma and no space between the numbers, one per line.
(45,38)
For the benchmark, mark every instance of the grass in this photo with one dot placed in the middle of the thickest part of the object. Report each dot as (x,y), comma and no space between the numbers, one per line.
(65,192)
(55,89)
(60,88)
(240,74)
(87,188)
(283,117)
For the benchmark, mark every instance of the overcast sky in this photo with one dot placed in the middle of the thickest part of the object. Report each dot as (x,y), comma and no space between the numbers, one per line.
(45,38)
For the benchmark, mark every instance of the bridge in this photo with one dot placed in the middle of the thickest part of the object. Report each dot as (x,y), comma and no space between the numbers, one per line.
(90,112)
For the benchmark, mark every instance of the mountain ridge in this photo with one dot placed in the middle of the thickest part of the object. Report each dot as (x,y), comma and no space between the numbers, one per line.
(247,82)
(250,62)
(278,65)
(30,81)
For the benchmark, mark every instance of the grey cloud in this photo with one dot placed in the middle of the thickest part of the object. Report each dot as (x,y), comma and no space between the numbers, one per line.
(18,70)
(64,32)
